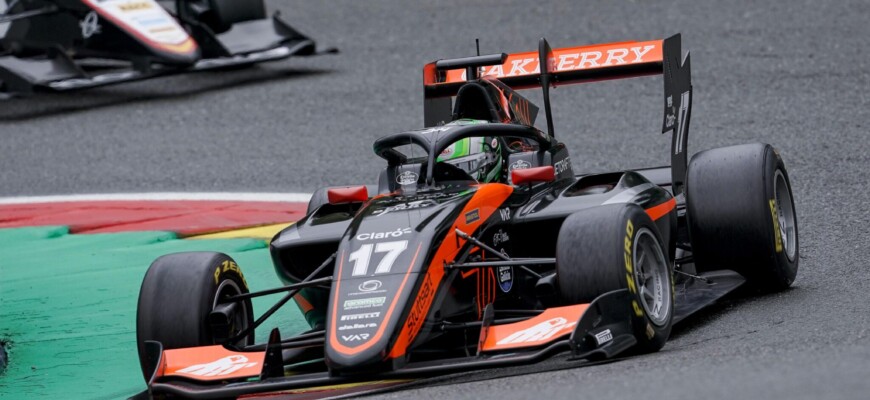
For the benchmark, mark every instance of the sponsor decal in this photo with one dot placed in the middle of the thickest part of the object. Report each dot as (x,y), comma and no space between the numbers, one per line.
(90,25)
(273,54)
(355,338)
(356,317)
(384,235)
(130,14)
(567,60)
(629,269)
(435,129)
(519,164)
(225,266)
(541,331)
(96,79)
(135,6)
(472,216)
(777,230)
(407,178)
(494,143)
(404,206)
(417,312)
(505,214)
(603,337)
(357,326)
(224,366)
(370,286)
(684,111)
(562,166)
(151,21)
(505,278)
(448,151)
(500,237)
(364,303)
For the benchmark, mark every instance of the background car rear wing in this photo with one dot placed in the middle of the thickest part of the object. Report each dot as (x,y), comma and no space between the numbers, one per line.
(547,67)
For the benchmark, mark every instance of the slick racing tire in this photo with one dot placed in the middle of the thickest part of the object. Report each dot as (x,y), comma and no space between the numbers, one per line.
(177,295)
(614,247)
(741,215)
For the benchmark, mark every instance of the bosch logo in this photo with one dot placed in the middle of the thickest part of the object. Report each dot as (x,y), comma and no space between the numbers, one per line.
(370,286)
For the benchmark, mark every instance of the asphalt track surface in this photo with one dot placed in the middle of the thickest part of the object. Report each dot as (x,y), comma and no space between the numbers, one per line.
(793,74)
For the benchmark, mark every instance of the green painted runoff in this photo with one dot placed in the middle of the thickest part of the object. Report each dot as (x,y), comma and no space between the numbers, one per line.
(68,307)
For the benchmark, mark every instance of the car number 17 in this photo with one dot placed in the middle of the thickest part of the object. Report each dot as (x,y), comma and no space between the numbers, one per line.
(361,257)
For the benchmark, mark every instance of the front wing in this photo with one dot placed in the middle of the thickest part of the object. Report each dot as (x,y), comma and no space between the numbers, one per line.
(596,331)
(260,41)
(501,346)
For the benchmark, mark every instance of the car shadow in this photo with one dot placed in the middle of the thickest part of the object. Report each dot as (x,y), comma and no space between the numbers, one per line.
(42,104)
(733,301)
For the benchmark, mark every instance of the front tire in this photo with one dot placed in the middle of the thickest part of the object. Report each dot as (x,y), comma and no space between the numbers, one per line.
(613,247)
(741,215)
(178,293)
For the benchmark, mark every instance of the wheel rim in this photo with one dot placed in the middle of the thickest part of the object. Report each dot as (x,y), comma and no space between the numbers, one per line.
(785,214)
(652,277)
(226,289)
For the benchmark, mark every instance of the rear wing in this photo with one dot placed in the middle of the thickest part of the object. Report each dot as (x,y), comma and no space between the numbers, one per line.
(571,65)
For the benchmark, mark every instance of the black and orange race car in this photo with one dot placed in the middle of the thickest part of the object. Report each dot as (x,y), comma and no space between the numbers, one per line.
(480,247)
(57,45)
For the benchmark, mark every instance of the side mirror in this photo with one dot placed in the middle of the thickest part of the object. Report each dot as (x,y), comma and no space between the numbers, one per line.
(531,175)
(351,194)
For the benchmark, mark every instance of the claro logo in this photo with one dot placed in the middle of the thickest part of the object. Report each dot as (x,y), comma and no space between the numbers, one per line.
(384,235)
(370,286)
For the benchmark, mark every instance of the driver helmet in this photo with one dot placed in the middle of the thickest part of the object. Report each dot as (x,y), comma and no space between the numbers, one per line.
(480,157)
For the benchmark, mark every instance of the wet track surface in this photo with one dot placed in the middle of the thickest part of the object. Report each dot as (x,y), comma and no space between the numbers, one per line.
(795,75)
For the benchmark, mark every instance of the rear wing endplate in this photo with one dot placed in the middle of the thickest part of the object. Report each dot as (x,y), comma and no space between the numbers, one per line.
(571,65)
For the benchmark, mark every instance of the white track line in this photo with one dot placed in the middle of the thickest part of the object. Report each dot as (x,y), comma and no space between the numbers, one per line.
(167,196)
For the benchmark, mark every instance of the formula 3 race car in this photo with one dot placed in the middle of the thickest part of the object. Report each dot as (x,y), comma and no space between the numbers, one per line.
(73,44)
(480,247)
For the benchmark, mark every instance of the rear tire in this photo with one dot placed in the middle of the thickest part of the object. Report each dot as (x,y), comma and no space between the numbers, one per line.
(591,256)
(177,295)
(741,215)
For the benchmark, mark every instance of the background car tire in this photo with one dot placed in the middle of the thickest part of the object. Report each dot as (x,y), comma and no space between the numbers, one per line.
(741,215)
(590,261)
(178,293)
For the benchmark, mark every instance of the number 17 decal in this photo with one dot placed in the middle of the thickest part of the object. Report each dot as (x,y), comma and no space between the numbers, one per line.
(361,257)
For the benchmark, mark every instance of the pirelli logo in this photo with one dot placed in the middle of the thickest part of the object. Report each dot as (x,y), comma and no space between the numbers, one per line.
(777,235)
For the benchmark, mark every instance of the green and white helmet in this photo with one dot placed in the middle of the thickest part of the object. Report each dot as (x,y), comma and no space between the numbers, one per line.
(480,157)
